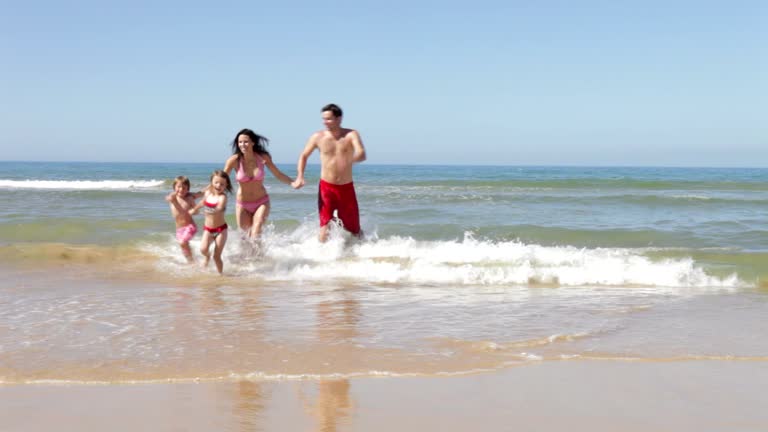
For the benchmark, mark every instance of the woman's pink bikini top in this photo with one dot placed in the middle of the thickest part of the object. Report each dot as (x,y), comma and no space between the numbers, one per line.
(244,178)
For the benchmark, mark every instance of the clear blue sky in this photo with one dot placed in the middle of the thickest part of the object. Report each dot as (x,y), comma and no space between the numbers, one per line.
(680,83)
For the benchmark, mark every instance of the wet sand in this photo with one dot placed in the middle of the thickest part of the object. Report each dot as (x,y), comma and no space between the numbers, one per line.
(558,396)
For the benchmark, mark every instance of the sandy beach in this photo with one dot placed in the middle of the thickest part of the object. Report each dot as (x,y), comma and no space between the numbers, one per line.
(569,395)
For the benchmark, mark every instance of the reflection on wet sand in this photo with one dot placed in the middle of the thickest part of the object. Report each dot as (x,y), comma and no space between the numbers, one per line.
(249,405)
(333,404)
(336,324)
(230,326)
(249,398)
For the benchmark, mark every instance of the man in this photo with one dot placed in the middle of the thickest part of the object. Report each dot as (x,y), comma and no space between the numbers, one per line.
(339,149)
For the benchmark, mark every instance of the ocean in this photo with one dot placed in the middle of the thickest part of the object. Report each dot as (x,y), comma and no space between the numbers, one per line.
(461,269)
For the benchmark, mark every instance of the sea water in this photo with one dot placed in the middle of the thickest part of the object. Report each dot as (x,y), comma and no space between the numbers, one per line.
(460,269)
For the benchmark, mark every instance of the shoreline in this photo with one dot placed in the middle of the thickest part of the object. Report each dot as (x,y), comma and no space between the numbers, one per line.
(572,395)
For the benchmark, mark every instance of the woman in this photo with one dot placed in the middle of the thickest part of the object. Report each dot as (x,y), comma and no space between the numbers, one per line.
(249,158)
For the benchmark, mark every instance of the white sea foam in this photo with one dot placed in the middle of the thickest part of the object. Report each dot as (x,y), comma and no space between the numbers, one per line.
(298,257)
(80,184)
(691,197)
(252,376)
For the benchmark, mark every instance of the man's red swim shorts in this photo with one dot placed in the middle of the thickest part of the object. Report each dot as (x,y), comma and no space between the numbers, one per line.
(342,198)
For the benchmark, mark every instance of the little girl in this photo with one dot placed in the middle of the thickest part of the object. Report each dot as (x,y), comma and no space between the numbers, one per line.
(181,203)
(214,205)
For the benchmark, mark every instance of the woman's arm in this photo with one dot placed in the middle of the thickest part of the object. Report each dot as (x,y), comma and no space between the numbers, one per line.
(276,171)
(230,163)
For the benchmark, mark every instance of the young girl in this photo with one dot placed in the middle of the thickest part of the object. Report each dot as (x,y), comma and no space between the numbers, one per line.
(181,203)
(214,204)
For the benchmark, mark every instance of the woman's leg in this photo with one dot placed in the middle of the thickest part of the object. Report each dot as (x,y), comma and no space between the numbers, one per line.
(259,219)
(244,218)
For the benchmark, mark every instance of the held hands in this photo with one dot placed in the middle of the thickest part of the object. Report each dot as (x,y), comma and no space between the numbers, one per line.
(298,183)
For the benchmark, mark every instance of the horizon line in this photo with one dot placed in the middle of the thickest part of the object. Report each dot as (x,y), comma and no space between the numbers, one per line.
(529,165)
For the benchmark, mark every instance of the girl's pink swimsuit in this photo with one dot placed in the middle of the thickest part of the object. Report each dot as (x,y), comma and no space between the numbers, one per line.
(242,177)
(215,231)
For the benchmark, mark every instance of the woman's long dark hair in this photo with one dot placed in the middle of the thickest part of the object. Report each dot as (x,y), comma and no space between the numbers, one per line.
(259,143)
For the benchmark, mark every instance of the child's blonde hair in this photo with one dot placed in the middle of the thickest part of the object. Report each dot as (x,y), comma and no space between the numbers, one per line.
(183,180)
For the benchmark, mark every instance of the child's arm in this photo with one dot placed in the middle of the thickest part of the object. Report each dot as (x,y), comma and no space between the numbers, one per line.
(196,208)
(171,198)
(222,204)
(200,194)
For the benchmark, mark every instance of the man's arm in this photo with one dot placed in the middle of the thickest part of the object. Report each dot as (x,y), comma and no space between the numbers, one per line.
(357,145)
(302,164)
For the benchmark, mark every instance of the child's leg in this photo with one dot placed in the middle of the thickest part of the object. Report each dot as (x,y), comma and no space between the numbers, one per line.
(187,251)
(205,243)
(221,240)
